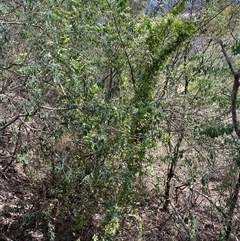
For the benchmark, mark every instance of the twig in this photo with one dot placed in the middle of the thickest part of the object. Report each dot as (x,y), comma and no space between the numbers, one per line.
(124,46)
(11,122)
(19,23)
(180,218)
(227,58)
(53,108)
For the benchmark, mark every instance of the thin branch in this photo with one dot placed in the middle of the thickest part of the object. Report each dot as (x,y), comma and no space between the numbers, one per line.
(14,154)
(10,66)
(213,17)
(180,218)
(233,204)
(227,58)
(15,118)
(19,23)
(124,46)
(54,108)
(234,105)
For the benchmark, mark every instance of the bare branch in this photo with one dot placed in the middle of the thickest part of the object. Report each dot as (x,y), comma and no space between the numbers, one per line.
(227,57)
(234,104)
(180,218)
(15,118)
(19,23)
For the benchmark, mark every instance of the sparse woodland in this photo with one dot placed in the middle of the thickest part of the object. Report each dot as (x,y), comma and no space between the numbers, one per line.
(119,120)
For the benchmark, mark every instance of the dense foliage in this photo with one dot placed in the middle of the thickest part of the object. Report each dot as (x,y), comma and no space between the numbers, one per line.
(119,112)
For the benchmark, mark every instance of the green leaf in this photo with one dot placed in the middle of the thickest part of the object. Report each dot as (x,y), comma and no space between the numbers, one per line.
(236,48)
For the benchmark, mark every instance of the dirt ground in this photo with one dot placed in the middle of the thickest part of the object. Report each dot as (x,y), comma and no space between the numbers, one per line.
(16,197)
